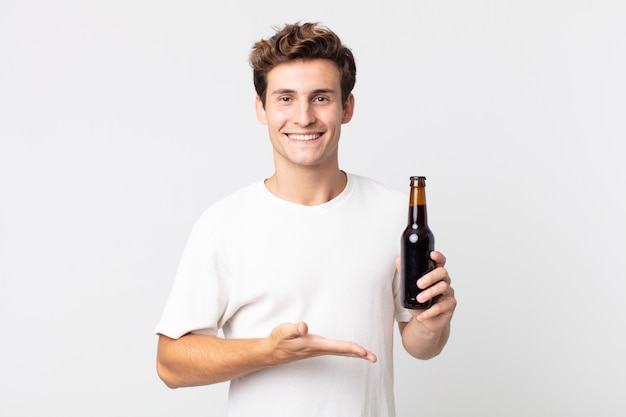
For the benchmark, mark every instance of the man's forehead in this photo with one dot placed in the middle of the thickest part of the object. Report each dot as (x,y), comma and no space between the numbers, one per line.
(297,76)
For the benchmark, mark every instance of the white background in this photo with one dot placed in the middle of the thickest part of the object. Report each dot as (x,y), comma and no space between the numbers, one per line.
(121,121)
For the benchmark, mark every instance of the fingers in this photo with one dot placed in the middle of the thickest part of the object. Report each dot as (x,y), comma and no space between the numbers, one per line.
(341,348)
(293,341)
(436,285)
(443,308)
(351,349)
(439,258)
(369,356)
(433,286)
(437,275)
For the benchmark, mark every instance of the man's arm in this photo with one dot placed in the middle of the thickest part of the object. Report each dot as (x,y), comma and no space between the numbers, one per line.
(427,333)
(201,360)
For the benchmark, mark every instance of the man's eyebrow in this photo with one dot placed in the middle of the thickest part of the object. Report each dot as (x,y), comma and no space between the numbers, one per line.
(291,91)
(324,91)
(283,91)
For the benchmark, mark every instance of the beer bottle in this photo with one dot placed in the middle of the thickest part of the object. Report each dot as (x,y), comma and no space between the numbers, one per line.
(418,242)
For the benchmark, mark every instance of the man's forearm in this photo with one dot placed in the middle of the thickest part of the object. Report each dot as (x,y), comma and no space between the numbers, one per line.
(196,360)
(201,360)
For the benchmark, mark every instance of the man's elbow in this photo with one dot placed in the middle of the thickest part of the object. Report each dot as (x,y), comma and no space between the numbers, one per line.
(164,366)
(166,376)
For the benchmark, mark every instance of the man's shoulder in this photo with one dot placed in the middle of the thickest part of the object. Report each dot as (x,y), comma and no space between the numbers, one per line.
(376,189)
(230,205)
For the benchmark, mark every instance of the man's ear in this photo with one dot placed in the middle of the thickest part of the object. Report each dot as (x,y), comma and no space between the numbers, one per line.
(348,109)
(260,111)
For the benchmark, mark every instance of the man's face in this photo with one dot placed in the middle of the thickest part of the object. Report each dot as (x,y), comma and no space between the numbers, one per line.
(304,113)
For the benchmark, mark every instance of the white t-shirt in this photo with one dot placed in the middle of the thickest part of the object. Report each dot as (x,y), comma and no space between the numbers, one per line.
(254,261)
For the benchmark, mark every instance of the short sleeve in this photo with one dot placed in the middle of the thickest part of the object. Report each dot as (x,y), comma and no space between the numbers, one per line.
(198,297)
(402,314)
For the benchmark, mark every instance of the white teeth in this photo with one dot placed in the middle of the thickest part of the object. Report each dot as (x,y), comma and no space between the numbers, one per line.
(304,137)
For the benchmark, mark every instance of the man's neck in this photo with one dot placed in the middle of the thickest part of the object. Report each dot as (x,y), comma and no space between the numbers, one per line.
(307,187)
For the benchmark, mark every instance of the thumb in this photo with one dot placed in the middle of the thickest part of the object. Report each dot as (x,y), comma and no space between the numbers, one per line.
(303,328)
(292,330)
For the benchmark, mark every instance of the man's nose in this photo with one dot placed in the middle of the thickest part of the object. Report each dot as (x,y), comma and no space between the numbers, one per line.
(304,114)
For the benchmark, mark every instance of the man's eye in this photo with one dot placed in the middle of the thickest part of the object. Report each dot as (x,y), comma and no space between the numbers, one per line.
(320,99)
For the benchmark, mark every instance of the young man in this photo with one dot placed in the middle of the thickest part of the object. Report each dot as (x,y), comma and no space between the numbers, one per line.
(310,248)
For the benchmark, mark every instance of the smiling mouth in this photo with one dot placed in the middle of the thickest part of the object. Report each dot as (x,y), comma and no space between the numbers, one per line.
(304,138)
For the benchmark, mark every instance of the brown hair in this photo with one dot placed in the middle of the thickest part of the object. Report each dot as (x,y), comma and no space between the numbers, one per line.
(301,41)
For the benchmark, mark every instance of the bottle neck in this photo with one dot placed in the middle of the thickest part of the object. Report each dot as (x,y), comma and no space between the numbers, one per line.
(417,204)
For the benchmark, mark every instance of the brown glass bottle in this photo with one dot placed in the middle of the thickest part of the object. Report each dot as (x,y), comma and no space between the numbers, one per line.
(418,242)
